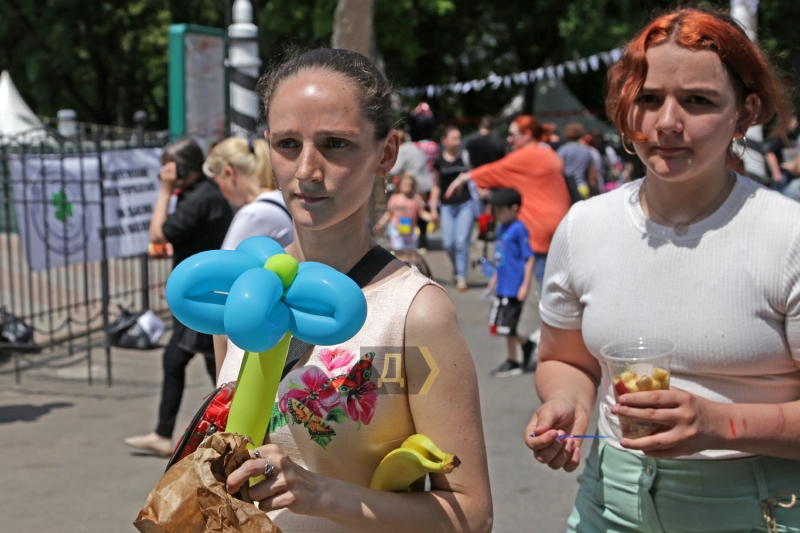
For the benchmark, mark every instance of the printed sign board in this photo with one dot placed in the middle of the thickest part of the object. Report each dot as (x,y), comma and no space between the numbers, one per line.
(61,222)
(198,87)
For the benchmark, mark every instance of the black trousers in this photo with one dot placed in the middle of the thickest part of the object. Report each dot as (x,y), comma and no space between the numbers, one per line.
(422,242)
(174,360)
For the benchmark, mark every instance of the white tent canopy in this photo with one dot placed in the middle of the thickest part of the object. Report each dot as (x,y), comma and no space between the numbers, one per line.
(16,118)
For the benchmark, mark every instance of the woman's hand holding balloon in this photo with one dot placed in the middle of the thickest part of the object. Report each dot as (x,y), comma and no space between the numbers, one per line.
(289,486)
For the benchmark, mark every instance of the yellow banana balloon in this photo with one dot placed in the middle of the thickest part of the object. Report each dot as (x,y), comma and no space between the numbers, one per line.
(429,450)
(417,456)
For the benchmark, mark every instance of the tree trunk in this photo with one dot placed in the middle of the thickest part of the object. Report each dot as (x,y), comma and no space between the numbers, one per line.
(353,28)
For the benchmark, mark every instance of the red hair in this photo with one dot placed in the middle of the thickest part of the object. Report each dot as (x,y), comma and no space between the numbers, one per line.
(528,123)
(547,132)
(693,29)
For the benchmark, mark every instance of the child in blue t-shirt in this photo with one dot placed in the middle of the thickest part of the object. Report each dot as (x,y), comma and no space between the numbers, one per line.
(510,280)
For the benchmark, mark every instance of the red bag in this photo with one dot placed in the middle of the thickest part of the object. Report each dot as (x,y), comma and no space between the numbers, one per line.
(486,226)
(210,418)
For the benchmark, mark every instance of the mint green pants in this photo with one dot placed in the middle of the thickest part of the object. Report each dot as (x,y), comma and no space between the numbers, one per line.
(628,493)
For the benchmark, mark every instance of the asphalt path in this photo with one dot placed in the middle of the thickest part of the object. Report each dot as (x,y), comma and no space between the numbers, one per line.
(63,465)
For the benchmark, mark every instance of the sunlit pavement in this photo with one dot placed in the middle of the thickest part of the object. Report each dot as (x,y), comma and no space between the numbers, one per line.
(64,465)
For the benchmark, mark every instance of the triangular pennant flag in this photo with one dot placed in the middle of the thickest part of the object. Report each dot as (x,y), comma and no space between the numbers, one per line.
(572,67)
(521,78)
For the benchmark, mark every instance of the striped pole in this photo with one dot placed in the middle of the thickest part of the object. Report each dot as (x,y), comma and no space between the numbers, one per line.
(244,64)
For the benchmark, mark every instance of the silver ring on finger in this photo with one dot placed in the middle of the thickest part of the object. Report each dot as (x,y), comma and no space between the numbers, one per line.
(257,453)
(268,469)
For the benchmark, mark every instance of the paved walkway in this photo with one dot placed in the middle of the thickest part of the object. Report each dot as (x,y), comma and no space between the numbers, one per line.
(64,465)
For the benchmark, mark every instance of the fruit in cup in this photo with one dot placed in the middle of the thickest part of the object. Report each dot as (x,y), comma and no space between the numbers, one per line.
(630,381)
(661,375)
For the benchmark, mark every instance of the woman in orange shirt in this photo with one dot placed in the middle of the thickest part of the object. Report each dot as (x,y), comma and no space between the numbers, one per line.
(537,173)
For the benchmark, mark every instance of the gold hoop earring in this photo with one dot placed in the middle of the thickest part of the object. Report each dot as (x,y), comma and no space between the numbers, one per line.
(627,150)
(383,175)
(740,157)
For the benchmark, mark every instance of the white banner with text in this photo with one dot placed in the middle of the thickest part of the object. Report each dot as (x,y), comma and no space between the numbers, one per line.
(60,201)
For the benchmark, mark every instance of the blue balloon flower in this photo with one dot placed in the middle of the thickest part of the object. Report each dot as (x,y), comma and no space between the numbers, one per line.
(254,294)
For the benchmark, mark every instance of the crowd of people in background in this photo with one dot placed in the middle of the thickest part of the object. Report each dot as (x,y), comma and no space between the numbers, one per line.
(453,186)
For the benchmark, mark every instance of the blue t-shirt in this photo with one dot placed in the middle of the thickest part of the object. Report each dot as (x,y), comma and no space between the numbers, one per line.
(511,252)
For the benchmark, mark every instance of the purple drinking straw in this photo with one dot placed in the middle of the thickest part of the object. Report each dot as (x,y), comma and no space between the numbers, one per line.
(562,437)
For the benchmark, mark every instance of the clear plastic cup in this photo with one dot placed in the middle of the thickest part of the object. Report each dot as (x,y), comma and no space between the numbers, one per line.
(638,365)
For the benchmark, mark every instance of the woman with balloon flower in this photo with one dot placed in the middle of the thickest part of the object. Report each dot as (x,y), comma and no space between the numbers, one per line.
(330,134)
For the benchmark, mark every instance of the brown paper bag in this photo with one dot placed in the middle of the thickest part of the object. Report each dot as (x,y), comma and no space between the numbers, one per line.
(191,497)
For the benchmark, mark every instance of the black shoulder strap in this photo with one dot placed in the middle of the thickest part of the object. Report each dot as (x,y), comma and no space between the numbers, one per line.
(368,266)
(362,273)
(278,204)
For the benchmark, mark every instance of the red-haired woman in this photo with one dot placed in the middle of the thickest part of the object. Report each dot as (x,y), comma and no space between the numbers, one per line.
(689,253)
(535,171)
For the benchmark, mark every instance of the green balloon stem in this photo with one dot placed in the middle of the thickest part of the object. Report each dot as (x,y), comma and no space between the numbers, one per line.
(259,376)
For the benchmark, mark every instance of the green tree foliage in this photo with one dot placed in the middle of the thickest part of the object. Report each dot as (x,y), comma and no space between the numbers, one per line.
(593,25)
(104,59)
(107,59)
(780,38)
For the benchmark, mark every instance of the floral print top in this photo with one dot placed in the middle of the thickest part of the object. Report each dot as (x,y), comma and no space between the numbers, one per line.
(324,398)
(347,406)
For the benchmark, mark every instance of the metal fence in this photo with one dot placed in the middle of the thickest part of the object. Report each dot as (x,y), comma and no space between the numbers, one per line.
(69,307)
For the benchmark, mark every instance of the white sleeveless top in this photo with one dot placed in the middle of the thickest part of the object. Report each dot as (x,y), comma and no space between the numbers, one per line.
(341,412)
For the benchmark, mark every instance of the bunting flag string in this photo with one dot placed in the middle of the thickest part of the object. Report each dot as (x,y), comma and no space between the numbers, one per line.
(550,72)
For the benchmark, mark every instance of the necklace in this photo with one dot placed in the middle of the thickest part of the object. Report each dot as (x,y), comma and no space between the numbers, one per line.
(681,228)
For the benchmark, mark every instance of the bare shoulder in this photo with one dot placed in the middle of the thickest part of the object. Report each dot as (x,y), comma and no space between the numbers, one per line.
(432,324)
(430,311)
